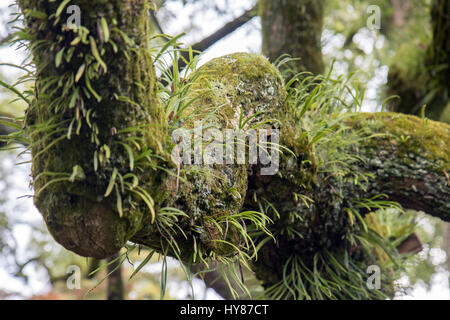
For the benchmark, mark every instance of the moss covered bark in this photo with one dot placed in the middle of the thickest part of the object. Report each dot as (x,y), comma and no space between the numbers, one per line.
(410,162)
(225,89)
(93,84)
(404,158)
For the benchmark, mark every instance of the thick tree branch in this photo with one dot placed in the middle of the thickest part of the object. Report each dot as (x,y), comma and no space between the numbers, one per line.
(407,160)
(107,87)
(404,157)
(410,162)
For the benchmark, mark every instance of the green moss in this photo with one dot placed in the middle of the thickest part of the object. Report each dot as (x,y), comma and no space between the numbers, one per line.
(224,88)
(234,82)
(411,135)
(210,195)
(90,94)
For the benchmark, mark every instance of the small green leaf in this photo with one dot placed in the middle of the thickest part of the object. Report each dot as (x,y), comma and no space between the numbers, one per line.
(89,87)
(119,202)
(80,72)
(58,58)
(96,54)
(105,29)
(69,131)
(112,181)
(77,174)
(130,154)
(61,7)
(95,161)
(75,41)
(36,14)
(73,99)
(107,151)
(143,263)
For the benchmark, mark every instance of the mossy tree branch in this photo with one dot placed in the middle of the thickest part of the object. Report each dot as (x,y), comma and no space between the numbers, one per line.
(410,163)
(92,83)
(407,161)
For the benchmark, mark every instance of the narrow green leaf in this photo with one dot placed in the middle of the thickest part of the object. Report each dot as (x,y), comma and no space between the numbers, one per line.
(80,72)
(96,54)
(119,202)
(112,181)
(105,29)
(61,7)
(143,263)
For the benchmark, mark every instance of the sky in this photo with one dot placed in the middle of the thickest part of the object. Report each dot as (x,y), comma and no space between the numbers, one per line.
(245,39)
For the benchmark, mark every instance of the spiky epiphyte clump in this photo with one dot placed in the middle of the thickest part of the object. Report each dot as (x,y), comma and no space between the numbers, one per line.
(318,201)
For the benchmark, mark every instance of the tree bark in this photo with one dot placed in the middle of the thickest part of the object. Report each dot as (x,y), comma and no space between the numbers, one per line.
(430,84)
(293,27)
(115,289)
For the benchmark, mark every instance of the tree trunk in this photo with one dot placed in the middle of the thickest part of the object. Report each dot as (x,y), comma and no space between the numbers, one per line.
(293,27)
(430,84)
(115,289)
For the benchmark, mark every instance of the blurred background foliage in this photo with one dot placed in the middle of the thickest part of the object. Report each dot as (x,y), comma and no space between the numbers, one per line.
(389,61)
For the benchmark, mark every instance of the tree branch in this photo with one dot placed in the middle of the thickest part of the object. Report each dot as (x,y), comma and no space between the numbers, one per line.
(410,162)
(98,203)
(207,42)
(108,80)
